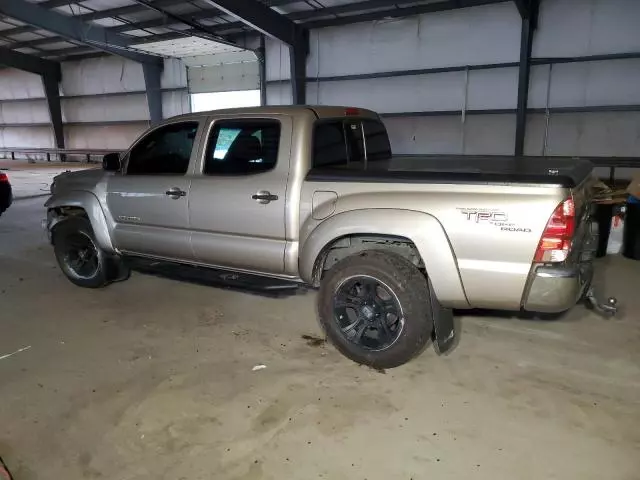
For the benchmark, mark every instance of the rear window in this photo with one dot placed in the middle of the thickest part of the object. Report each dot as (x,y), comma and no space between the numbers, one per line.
(349,143)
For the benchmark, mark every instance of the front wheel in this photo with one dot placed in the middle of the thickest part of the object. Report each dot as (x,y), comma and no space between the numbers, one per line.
(375,308)
(78,255)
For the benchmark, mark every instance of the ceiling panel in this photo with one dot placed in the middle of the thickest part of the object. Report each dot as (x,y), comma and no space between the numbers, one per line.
(56,46)
(106,4)
(25,37)
(44,33)
(137,33)
(29,51)
(185,47)
(72,9)
(108,22)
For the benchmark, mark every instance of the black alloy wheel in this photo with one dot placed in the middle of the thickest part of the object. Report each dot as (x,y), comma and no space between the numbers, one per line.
(367,312)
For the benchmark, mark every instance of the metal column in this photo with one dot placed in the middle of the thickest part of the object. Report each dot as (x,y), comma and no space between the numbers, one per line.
(152,74)
(298,63)
(52,92)
(529,14)
(51,74)
(262,65)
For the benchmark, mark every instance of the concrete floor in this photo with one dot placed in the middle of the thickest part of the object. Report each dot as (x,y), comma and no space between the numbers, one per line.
(152,379)
(30,180)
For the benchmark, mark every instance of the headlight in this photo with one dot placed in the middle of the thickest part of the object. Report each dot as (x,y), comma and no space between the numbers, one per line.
(52,187)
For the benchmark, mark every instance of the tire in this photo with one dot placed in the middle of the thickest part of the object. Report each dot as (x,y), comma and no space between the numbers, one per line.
(410,327)
(67,236)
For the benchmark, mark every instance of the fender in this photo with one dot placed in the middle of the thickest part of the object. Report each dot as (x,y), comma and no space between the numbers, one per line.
(424,230)
(101,225)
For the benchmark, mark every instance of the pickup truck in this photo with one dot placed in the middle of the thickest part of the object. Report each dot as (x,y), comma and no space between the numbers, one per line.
(312,196)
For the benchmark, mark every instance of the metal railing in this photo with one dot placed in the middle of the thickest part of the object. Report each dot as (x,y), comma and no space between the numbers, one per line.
(63,154)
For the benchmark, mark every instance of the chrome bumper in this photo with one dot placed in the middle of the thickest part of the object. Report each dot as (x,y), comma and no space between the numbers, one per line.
(557,289)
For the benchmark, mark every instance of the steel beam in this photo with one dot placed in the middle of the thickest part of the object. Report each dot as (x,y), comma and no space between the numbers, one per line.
(523,7)
(52,91)
(262,18)
(29,63)
(202,30)
(262,65)
(298,68)
(51,74)
(526,39)
(393,12)
(152,74)
(74,29)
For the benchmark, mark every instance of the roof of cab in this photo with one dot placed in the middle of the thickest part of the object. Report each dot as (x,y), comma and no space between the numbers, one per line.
(320,111)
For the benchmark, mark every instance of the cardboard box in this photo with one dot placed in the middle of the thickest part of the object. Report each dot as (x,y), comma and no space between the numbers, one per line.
(634,187)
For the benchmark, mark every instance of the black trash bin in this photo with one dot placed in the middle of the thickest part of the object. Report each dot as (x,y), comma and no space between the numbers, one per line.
(631,232)
(603,216)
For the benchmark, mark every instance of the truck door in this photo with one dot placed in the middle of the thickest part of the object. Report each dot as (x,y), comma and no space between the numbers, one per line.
(237,201)
(149,199)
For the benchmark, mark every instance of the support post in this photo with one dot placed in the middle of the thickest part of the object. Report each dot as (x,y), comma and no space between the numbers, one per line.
(529,19)
(298,65)
(262,66)
(152,74)
(52,92)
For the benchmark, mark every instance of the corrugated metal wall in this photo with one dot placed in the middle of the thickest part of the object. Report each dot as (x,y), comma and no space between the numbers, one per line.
(479,36)
(103,103)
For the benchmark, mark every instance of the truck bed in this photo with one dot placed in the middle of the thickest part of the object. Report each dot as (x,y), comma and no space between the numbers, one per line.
(562,171)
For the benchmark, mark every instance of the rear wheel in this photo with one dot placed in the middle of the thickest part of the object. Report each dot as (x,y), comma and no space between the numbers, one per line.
(374,307)
(78,255)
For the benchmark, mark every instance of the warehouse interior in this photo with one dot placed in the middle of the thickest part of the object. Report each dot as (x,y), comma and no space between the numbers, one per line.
(154,378)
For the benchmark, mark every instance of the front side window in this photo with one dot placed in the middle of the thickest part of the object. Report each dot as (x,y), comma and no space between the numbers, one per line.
(242,147)
(164,151)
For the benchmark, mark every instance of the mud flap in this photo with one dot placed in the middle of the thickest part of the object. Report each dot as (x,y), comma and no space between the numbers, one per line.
(443,324)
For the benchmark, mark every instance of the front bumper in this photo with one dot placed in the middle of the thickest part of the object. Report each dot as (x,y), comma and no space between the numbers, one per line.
(557,289)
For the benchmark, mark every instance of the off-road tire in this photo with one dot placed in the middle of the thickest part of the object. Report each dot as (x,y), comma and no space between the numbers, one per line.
(411,289)
(63,234)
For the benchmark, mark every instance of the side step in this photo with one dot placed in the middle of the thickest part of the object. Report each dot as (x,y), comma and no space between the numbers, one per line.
(245,282)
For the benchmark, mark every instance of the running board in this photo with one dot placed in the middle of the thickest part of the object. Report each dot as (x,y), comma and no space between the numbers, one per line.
(244,282)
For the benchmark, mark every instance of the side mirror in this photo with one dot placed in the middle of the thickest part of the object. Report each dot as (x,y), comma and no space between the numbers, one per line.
(111,162)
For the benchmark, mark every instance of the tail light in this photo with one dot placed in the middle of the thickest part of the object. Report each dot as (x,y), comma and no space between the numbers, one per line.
(4,178)
(555,243)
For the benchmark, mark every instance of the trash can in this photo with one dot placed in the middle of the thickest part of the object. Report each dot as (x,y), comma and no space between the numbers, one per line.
(603,216)
(631,235)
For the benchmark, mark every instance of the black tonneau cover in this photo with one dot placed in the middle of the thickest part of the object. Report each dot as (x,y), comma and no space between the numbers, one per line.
(563,171)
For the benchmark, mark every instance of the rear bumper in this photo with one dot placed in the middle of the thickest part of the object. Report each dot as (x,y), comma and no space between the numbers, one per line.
(557,289)
(6,196)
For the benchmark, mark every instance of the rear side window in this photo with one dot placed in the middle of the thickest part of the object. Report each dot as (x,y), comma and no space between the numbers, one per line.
(242,147)
(376,140)
(349,143)
(164,151)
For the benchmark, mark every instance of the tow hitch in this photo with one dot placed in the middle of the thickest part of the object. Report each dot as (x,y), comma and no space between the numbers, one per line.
(608,308)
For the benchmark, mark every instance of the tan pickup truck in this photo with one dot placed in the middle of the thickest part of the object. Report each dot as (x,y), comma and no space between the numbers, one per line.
(276,198)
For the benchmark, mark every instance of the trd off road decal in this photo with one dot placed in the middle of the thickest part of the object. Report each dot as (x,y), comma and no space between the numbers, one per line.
(492,216)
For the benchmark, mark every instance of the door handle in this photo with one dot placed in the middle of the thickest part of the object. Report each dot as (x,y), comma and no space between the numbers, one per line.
(175,193)
(264,197)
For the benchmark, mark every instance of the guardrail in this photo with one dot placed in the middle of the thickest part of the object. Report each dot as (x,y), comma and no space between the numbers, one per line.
(63,154)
